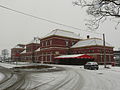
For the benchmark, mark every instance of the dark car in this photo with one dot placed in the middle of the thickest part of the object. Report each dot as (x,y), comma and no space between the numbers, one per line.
(91,66)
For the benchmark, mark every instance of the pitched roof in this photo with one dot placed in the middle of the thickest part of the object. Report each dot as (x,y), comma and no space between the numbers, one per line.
(90,42)
(20,46)
(63,33)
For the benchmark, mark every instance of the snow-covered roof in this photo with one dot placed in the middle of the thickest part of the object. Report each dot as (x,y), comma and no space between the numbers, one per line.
(23,52)
(37,50)
(63,33)
(19,46)
(90,42)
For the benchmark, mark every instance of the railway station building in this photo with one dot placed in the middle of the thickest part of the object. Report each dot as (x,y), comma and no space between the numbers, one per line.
(61,42)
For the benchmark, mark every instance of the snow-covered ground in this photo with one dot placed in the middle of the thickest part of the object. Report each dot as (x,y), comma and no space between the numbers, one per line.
(74,78)
(7,65)
(11,65)
(1,76)
(102,79)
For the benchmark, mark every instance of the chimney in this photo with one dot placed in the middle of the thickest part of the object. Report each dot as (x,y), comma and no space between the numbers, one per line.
(88,36)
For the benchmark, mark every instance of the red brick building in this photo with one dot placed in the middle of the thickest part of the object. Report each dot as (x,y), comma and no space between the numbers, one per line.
(58,42)
(29,52)
(15,52)
(61,42)
(94,47)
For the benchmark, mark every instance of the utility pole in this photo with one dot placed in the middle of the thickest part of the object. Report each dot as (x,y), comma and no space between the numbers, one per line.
(104,51)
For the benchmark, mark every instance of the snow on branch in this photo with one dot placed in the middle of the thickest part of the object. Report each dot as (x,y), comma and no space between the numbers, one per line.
(100,9)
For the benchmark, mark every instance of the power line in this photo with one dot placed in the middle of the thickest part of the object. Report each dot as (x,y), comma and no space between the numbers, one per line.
(50,21)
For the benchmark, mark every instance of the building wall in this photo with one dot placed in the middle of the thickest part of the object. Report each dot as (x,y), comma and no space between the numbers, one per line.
(32,47)
(53,46)
(57,41)
(30,52)
(15,53)
(117,57)
(97,52)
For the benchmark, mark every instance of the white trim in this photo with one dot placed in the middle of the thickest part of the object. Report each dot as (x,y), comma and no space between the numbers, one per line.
(46,43)
(97,54)
(60,37)
(46,57)
(53,48)
(50,42)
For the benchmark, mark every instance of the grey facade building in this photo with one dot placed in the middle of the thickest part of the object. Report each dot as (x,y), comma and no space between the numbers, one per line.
(117,57)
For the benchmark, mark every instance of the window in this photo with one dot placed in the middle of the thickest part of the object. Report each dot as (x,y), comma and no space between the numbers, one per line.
(46,43)
(50,42)
(42,44)
(66,43)
(91,51)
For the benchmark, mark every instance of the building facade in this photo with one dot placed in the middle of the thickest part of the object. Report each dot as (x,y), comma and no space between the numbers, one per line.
(117,57)
(61,42)
(94,47)
(55,44)
(29,53)
(16,52)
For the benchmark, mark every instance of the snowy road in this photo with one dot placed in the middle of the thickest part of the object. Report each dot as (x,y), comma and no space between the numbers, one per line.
(73,78)
(63,80)
(82,79)
(103,79)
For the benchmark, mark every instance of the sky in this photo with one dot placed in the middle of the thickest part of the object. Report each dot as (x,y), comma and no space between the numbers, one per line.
(16,28)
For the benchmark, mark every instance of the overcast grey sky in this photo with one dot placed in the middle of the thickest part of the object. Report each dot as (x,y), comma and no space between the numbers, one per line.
(17,28)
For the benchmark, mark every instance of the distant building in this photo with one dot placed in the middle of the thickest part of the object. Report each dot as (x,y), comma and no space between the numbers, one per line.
(117,57)
(61,42)
(16,51)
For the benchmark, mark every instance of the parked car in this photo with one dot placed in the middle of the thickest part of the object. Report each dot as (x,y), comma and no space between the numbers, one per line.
(91,66)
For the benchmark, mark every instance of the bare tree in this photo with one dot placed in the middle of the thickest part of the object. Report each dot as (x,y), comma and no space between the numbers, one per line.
(100,10)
